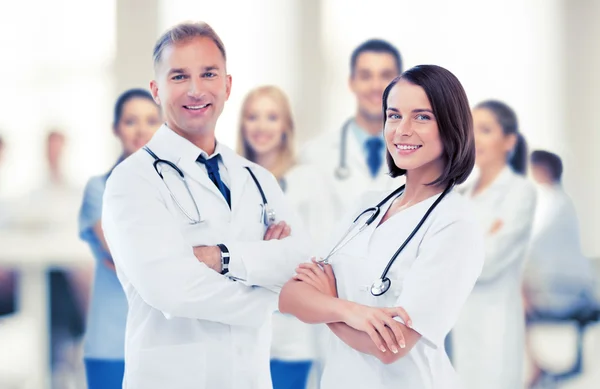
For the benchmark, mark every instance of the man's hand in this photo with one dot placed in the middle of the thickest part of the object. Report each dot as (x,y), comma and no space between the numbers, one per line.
(210,256)
(278,231)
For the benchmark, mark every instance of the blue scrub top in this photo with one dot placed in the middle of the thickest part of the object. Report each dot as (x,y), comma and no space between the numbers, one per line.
(105,334)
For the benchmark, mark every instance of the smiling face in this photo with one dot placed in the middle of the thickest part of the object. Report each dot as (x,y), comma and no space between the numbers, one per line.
(191,86)
(372,73)
(264,124)
(492,145)
(411,131)
(138,122)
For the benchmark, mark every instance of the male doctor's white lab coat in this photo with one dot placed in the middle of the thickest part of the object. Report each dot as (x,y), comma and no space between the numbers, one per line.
(324,152)
(188,326)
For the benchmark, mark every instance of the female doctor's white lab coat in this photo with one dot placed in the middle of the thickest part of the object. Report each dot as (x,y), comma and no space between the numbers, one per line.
(187,325)
(488,339)
(431,279)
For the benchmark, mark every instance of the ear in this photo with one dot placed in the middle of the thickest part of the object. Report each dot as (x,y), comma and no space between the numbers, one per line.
(154,90)
(351,84)
(227,87)
(510,142)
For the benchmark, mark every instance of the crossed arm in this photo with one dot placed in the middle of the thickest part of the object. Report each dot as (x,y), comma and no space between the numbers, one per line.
(311,296)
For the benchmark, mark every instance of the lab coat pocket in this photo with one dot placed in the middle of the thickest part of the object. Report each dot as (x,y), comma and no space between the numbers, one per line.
(181,366)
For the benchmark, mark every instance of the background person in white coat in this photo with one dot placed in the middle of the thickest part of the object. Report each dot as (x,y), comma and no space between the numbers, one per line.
(488,339)
(266,137)
(559,280)
(429,138)
(352,156)
(195,258)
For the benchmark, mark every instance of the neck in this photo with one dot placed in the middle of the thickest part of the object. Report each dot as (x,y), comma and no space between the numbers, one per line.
(204,139)
(55,175)
(488,174)
(417,190)
(369,124)
(268,160)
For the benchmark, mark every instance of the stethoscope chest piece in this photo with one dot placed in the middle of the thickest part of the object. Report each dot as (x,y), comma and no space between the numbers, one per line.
(380,286)
(342,173)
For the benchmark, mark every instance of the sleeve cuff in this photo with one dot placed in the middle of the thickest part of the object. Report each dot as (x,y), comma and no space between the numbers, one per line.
(237,268)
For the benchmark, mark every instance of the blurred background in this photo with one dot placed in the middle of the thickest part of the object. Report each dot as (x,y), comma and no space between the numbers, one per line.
(64,63)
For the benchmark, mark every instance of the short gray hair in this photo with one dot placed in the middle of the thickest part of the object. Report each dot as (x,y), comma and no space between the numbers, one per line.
(183,32)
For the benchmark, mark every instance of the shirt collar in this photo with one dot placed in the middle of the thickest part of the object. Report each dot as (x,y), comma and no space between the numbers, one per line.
(361,135)
(168,145)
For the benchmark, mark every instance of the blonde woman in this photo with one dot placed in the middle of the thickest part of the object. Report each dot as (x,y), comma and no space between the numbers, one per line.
(266,137)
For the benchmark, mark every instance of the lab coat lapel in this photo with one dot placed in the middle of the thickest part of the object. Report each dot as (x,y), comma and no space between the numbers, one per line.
(356,157)
(169,146)
(238,174)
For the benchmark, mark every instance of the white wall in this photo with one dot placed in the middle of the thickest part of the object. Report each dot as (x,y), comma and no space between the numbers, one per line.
(55,71)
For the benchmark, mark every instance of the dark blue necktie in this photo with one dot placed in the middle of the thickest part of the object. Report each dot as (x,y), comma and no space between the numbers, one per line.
(212,167)
(374,158)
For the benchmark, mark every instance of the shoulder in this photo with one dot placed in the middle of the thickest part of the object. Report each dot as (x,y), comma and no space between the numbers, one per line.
(134,173)
(456,218)
(95,186)
(315,148)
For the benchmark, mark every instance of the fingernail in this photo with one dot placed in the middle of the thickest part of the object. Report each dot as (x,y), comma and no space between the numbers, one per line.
(382,349)
(409,324)
(394,350)
(402,345)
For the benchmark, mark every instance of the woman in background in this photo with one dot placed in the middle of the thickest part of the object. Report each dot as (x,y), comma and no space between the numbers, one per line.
(488,339)
(266,137)
(136,118)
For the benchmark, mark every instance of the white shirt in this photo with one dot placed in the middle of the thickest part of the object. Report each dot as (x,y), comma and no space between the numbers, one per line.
(431,279)
(187,325)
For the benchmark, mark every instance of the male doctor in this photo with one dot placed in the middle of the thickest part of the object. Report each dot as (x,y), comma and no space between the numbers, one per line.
(353,156)
(199,284)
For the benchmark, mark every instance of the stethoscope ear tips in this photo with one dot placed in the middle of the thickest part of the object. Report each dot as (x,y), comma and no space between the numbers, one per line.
(380,286)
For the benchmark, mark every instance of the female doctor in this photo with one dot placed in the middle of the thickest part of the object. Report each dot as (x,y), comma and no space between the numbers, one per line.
(488,339)
(266,137)
(429,138)
(136,119)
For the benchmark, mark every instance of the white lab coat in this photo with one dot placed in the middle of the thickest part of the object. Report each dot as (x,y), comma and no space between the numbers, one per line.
(488,339)
(188,326)
(306,190)
(431,279)
(324,152)
(558,278)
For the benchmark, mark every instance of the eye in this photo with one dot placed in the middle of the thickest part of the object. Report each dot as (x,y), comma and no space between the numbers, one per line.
(423,117)
(178,77)
(394,116)
(273,118)
(209,75)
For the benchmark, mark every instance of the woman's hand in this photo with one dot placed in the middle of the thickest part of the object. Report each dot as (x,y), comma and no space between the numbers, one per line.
(320,277)
(379,324)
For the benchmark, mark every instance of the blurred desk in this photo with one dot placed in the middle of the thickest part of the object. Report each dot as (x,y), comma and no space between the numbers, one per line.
(33,254)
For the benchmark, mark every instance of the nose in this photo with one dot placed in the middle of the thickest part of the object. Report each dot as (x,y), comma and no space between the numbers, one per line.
(404,128)
(195,89)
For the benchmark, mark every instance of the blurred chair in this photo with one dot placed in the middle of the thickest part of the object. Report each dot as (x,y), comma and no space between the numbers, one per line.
(582,319)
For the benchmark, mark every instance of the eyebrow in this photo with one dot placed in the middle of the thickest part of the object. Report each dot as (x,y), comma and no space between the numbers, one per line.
(183,70)
(418,110)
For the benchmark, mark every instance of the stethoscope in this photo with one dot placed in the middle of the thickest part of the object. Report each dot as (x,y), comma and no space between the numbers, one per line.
(267,217)
(342,172)
(383,283)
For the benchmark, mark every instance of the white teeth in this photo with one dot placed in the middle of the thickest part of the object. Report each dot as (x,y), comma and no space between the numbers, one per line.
(196,106)
(407,147)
